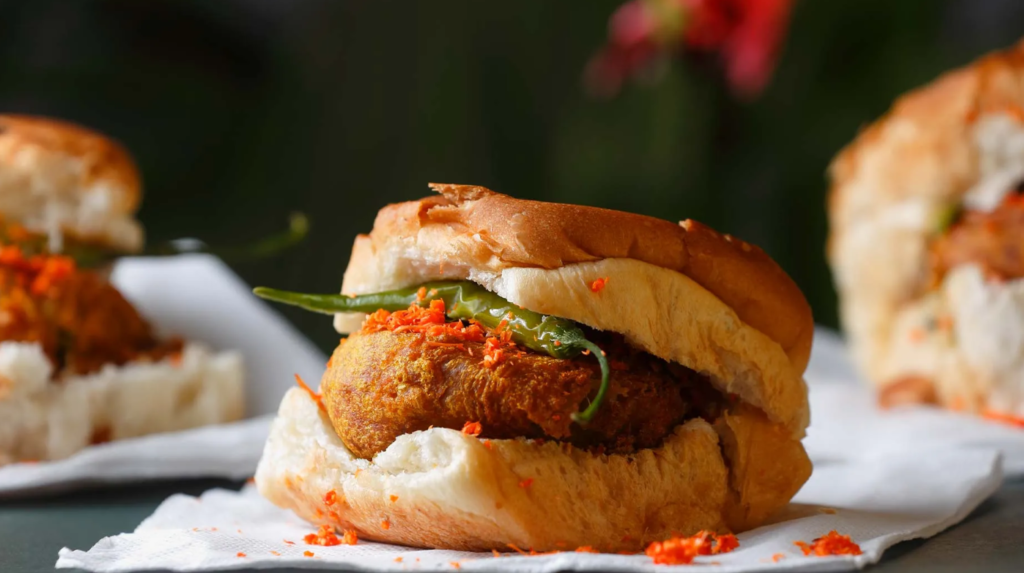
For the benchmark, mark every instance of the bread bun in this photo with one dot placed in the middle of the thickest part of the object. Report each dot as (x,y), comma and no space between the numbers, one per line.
(947,144)
(472,232)
(60,179)
(43,419)
(650,296)
(444,489)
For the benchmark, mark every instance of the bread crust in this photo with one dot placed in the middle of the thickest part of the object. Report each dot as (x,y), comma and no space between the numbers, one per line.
(444,489)
(88,175)
(889,190)
(470,226)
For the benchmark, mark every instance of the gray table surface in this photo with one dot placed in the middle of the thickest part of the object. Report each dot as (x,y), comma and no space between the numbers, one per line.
(32,531)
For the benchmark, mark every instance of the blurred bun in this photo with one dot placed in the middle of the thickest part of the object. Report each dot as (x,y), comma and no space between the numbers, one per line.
(45,419)
(958,141)
(60,179)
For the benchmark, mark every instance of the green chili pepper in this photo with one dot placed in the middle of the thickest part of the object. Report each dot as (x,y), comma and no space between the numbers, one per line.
(947,217)
(88,255)
(464,300)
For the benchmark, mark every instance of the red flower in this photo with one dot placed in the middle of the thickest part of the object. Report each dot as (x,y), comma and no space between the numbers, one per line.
(746,33)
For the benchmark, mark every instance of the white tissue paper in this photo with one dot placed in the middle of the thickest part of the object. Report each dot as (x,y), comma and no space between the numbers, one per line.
(878,478)
(199,298)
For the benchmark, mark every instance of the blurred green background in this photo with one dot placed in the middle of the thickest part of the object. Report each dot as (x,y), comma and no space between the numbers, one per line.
(242,111)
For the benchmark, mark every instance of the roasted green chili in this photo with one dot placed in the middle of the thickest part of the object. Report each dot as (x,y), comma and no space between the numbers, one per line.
(464,300)
(90,255)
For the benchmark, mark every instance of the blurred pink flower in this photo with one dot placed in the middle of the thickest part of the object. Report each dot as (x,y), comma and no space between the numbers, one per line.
(747,34)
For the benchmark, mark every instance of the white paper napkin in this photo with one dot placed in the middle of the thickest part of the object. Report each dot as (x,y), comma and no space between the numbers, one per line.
(846,421)
(200,298)
(878,504)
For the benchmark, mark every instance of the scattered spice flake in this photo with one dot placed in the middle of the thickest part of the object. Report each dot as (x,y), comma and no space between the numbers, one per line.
(319,513)
(286,542)
(349,537)
(778,557)
(495,553)
(421,294)
(472,429)
(324,536)
(586,549)
(240,554)
(455,564)
(832,543)
(917,334)
(385,525)
(393,498)
(682,550)
(307,553)
(239,531)
(331,497)
(316,397)
(334,515)
(398,559)
(516,549)
(358,471)
(213,529)
(828,510)
(526,483)
(275,553)
(598,284)
(488,445)
(1003,418)
(251,480)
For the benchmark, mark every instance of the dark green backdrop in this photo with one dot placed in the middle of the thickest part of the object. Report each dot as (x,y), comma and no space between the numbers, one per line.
(240,111)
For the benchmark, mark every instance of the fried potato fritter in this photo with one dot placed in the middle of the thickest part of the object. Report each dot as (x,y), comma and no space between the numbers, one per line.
(381,385)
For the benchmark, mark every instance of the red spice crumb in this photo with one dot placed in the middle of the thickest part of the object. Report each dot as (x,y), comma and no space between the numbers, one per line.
(586,549)
(472,428)
(598,284)
(289,542)
(495,553)
(316,397)
(778,557)
(239,531)
(393,498)
(682,550)
(319,513)
(516,549)
(251,480)
(1003,418)
(334,515)
(385,525)
(324,536)
(240,554)
(398,559)
(526,483)
(331,497)
(421,294)
(275,553)
(456,564)
(558,343)
(307,553)
(349,537)
(488,445)
(213,529)
(832,543)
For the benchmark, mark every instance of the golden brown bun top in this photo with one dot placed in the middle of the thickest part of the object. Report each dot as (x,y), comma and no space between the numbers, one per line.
(527,233)
(102,159)
(938,117)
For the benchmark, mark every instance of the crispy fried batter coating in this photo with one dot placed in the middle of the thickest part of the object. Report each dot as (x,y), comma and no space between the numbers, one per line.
(81,321)
(381,385)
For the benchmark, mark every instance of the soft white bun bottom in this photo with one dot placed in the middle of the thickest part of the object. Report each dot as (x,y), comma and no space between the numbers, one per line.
(968,339)
(658,310)
(440,488)
(41,419)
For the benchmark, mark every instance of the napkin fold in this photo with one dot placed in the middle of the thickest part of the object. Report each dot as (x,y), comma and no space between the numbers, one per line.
(199,298)
(878,503)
